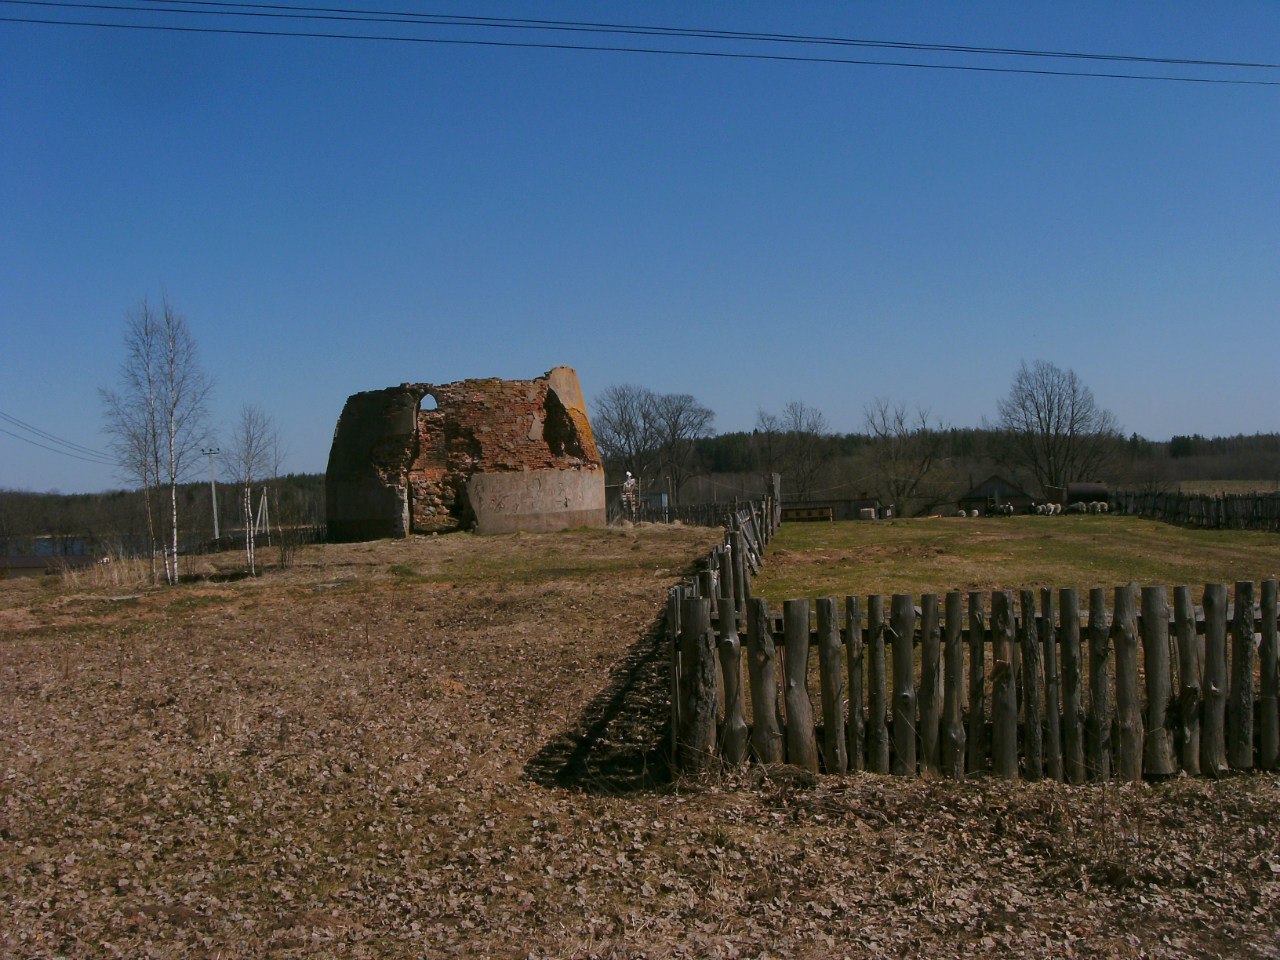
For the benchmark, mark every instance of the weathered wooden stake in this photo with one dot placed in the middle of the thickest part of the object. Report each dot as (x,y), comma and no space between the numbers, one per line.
(1213,743)
(1032,692)
(1269,667)
(1240,699)
(1072,698)
(733,734)
(903,623)
(1098,723)
(930,685)
(802,742)
(976,747)
(1158,758)
(727,587)
(853,647)
(1124,634)
(1052,719)
(675,597)
(831,674)
(953,738)
(741,581)
(1004,695)
(698,736)
(766,738)
(1190,676)
(877,696)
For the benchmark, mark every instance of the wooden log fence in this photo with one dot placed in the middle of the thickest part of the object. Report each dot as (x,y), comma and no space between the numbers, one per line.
(1238,511)
(1130,686)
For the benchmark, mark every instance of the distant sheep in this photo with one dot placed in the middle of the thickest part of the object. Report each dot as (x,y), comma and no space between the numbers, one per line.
(961,513)
(1077,507)
(973,513)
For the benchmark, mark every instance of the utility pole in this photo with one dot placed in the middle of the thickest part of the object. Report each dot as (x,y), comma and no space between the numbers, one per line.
(212,452)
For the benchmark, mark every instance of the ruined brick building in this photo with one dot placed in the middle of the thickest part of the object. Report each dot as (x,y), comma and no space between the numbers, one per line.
(499,455)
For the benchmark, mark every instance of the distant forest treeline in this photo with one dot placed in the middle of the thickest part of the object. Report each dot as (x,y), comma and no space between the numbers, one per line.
(114,521)
(928,473)
(847,465)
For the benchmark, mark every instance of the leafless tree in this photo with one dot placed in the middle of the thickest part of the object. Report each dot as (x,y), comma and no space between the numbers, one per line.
(1054,426)
(678,421)
(157,416)
(652,435)
(253,454)
(625,428)
(906,450)
(793,443)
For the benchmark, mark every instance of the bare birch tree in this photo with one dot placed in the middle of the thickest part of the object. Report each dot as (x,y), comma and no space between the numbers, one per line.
(253,454)
(157,416)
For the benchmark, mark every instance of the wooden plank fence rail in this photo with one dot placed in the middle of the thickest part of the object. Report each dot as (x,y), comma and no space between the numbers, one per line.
(1237,511)
(1129,685)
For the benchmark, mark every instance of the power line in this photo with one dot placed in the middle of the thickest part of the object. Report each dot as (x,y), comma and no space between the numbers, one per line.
(74,448)
(65,453)
(660,51)
(293,11)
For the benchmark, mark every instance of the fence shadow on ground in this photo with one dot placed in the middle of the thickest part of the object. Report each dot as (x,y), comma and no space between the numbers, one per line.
(621,740)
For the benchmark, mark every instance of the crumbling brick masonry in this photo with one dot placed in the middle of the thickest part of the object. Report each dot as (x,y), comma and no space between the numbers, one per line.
(499,455)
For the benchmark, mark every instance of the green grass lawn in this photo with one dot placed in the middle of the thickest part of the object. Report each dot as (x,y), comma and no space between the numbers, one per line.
(936,555)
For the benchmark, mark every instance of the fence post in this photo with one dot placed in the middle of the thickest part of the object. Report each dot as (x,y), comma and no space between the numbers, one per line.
(741,584)
(1124,630)
(675,597)
(1213,743)
(853,648)
(877,698)
(930,684)
(1004,694)
(733,737)
(728,582)
(977,740)
(698,736)
(1158,757)
(1032,688)
(1190,676)
(1269,667)
(761,669)
(953,738)
(1240,700)
(831,674)
(1052,720)
(1033,694)
(1098,724)
(903,626)
(802,743)
(1072,710)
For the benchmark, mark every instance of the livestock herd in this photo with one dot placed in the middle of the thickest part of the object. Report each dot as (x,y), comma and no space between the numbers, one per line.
(1040,509)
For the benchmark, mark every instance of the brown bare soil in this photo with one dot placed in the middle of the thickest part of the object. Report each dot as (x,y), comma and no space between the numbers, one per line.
(454,747)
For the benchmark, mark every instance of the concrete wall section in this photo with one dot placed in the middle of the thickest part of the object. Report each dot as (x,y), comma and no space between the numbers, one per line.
(548,499)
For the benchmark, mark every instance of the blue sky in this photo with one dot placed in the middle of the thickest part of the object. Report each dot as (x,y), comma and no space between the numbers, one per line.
(336,216)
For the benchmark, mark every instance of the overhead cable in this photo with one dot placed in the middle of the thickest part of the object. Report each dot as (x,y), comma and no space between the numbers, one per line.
(658,51)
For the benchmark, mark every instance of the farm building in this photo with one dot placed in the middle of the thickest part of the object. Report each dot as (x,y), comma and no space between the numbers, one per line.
(996,491)
(496,455)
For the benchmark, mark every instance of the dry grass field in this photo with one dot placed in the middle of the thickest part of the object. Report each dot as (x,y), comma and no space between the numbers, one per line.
(995,553)
(452,746)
